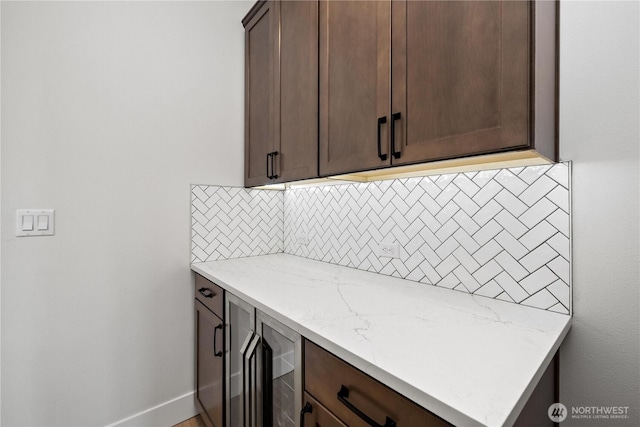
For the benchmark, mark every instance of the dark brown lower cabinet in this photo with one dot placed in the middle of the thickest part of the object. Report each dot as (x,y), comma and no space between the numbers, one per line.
(535,410)
(340,395)
(209,366)
(357,399)
(316,415)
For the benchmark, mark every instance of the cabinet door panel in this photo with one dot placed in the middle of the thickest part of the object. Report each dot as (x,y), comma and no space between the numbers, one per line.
(319,415)
(279,365)
(296,119)
(240,322)
(209,366)
(460,77)
(354,83)
(258,95)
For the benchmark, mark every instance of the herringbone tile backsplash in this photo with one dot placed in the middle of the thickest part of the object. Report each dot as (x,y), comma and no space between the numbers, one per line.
(229,222)
(501,234)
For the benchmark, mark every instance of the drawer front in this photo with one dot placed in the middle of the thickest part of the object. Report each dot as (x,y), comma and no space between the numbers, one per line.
(211,295)
(319,416)
(353,396)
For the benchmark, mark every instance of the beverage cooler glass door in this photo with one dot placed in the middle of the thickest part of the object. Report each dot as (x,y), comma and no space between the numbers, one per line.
(279,374)
(240,348)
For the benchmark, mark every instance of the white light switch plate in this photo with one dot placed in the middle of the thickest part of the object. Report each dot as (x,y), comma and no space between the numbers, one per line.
(35,222)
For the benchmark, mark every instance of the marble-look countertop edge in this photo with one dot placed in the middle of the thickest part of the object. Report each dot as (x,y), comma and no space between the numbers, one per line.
(432,403)
(522,401)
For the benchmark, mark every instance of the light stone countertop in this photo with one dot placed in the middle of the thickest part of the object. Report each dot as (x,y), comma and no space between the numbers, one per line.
(468,359)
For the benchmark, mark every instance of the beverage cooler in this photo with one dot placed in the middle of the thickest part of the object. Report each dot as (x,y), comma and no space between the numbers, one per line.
(263,369)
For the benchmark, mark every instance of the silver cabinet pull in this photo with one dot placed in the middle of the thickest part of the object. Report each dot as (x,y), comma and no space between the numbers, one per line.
(246,384)
(245,344)
(249,381)
(251,350)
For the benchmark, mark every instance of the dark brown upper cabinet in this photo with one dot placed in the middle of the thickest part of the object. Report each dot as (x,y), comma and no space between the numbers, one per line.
(281,92)
(355,54)
(405,82)
(258,101)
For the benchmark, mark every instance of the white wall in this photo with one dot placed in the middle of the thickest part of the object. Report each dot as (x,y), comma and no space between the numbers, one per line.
(599,131)
(109,111)
(0,211)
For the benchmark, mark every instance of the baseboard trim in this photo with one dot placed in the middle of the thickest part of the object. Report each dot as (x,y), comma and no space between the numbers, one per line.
(166,414)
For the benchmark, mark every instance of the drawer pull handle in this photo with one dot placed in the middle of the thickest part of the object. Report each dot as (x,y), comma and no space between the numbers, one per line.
(208,293)
(343,395)
(394,117)
(381,121)
(215,339)
(306,408)
(273,171)
(270,157)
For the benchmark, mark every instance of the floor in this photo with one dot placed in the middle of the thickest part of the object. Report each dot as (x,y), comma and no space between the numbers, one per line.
(192,422)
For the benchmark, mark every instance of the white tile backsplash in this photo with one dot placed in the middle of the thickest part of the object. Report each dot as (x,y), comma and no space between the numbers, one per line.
(229,222)
(501,233)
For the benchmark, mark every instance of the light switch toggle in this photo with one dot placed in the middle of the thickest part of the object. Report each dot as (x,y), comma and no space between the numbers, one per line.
(43,222)
(27,223)
(35,222)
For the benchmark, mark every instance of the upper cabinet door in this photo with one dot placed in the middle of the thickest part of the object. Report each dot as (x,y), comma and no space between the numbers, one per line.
(460,78)
(296,91)
(281,92)
(355,44)
(259,99)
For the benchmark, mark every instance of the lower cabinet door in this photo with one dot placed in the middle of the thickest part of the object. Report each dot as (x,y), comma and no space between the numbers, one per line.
(316,415)
(279,367)
(209,366)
